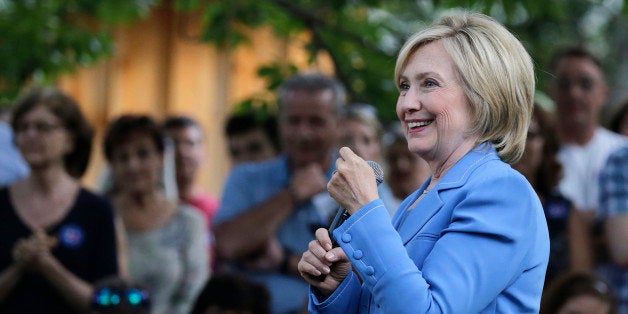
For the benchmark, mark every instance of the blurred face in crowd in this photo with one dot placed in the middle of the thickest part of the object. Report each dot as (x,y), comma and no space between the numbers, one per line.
(432,105)
(585,304)
(251,146)
(42,138)
(362,139)
(308,124)
(189,151)
(532,156)
(406,171)
(579,91)
(136,164)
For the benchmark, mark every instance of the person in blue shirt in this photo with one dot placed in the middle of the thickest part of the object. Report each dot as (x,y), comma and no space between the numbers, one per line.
(270,210)
(12,165)
(473,238)
(613,215)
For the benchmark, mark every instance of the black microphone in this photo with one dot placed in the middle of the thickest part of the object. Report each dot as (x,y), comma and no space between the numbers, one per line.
(342,213)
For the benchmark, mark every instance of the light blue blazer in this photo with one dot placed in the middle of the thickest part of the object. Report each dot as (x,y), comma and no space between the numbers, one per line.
(476,243)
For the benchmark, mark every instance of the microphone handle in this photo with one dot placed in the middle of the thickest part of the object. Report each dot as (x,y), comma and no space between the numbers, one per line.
(340,217)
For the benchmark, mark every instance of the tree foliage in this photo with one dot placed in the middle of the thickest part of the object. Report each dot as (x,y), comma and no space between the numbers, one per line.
(362,37)
(43,38)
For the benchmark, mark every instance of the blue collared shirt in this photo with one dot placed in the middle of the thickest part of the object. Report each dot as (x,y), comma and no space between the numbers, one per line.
(12,165)
(252,184)
(614,202)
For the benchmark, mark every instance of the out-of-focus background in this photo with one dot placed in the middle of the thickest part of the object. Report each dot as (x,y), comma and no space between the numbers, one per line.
(211,58)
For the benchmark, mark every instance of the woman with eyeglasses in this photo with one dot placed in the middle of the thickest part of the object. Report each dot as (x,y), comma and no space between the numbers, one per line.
(56,237)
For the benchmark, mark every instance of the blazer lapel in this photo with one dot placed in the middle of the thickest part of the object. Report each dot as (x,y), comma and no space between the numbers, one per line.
(416,218)
(430,205)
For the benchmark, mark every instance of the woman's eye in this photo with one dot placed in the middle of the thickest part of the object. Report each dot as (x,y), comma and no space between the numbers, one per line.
(404,86)
(430,83)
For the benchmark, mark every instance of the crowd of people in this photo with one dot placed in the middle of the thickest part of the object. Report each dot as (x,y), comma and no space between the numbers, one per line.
(490,202)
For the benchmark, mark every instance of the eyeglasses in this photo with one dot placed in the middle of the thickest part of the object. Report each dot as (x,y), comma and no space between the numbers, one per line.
(40,127)
(107,298)
(584,83)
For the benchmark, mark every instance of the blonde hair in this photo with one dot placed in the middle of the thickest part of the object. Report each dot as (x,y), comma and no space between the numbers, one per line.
(497,72)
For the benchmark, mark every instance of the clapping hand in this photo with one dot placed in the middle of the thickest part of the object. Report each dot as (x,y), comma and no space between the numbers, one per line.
(29,253)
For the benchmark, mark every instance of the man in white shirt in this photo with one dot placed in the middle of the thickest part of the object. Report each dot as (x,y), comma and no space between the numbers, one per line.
(579,90)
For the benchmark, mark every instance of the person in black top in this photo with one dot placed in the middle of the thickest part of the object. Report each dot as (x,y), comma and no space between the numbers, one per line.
(56,237)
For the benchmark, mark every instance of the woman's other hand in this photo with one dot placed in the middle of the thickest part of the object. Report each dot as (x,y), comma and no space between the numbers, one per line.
(322,266)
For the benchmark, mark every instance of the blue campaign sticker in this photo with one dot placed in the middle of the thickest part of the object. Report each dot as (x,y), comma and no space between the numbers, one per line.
(71,236)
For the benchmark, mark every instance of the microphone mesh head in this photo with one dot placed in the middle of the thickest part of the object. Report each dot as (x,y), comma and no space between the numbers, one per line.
(377,169)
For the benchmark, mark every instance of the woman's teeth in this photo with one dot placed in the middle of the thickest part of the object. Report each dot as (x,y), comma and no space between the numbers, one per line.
(418,124)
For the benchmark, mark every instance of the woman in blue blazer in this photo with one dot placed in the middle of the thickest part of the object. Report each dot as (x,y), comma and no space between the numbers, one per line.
(473,237)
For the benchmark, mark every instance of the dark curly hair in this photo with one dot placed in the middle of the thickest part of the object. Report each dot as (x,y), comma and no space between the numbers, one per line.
(127,126)
(241,123)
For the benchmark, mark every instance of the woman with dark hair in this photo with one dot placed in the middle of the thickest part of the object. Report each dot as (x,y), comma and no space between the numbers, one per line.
(579,292)
(167,244)
(56,237)
(570,246)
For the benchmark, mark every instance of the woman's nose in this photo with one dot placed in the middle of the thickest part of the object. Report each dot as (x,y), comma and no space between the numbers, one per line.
(410,102)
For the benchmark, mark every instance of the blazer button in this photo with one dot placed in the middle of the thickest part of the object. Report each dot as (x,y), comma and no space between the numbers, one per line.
(357,254)
(369,270)
(346,238)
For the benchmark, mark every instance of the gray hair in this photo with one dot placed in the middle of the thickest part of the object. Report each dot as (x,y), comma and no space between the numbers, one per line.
(313,82)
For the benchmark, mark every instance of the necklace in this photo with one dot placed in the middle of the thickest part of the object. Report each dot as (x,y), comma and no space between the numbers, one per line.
(428,188)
